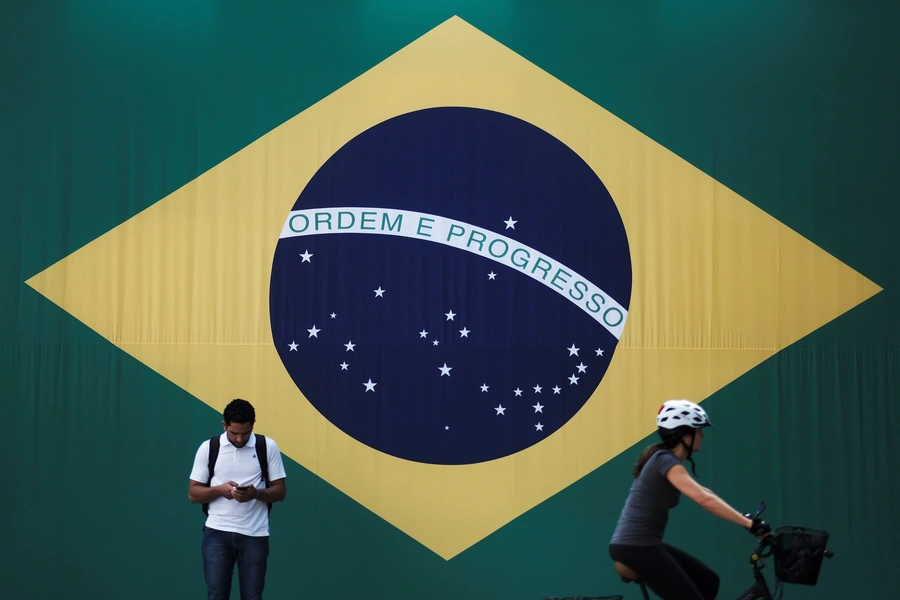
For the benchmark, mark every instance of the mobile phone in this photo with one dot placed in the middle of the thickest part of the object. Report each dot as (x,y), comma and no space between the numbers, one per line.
(242,488)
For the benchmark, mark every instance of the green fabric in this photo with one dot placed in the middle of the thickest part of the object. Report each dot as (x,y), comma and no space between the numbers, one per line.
(105,107)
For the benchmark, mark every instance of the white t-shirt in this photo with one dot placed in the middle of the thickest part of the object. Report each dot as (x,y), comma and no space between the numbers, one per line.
(241,466)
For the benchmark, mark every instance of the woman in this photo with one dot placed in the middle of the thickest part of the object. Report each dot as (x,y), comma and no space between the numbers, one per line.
(660,479)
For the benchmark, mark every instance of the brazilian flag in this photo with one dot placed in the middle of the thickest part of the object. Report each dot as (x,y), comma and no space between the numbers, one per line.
(456,254)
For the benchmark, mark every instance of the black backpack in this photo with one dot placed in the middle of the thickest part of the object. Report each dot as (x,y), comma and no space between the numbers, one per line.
(260,455)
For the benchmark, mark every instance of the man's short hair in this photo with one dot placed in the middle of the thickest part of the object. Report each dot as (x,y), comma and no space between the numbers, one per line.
(239,411)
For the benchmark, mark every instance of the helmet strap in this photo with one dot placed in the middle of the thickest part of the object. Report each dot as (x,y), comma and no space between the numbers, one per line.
(690,450)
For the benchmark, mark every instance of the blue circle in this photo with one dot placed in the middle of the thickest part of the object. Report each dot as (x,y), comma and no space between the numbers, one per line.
(355,314)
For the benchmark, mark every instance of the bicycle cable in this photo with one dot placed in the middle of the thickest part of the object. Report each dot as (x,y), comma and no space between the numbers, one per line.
(779,590)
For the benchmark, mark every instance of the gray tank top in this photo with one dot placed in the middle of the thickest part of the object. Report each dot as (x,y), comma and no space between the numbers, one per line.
(646,512)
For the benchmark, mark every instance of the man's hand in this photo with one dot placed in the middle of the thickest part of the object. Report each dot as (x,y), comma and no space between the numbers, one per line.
(251,493)
(226,490)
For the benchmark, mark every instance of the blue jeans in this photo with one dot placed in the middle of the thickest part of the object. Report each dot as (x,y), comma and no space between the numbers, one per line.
(221,549)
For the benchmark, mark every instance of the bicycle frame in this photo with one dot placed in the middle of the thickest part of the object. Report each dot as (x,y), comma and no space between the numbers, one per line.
(759,590)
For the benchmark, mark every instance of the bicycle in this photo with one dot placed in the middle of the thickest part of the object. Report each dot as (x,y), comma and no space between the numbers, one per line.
(798,553)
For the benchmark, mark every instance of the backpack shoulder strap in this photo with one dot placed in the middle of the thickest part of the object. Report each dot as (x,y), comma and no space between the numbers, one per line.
(211,464)
(262,456)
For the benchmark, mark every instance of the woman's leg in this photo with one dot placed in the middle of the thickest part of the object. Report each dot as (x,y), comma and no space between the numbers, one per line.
(702,576)
(660,571)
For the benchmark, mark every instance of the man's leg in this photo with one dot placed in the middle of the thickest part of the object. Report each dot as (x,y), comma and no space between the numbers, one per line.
(218,563)
(252,557)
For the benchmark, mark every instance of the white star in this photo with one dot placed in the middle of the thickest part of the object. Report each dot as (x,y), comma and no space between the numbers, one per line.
(293,346)
(350,345)
(581,367)
(537,389)
(517,391)
(573,380)
(435,342)
(306,256)
(539,427)
(500,410)
(464,332)
(450,315)
(599,352)
(370,387)
(538,408)
(510,224)
(423,333)
(343,366)
(573,350)
(556,389)
(446,428)
(314,332)
(379,293)
(445,370)
(484,387)
(492,275)
(334,315)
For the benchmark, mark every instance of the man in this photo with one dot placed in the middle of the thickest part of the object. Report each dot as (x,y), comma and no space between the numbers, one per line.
(237,526)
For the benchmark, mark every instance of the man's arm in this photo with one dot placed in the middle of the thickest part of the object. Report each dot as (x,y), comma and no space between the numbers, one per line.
(277,489)
(200,493)
(276,493)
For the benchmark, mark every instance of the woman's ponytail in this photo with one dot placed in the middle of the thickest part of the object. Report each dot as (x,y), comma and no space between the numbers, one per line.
(644,457)
(670,439)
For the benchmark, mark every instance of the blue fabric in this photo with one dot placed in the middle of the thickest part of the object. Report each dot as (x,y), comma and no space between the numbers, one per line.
(524,358)
(221,550)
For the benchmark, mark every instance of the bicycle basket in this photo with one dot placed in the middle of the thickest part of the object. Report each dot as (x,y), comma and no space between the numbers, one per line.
(799,554)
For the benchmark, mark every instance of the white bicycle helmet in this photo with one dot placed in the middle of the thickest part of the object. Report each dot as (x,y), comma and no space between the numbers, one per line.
(681,413)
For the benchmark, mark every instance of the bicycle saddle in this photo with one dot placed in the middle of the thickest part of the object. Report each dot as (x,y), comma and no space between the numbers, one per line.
(626,573)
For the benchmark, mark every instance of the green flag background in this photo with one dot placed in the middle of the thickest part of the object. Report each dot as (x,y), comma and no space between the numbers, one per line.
(108,106)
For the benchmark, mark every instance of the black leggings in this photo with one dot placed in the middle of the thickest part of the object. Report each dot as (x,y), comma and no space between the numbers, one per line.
(669,572)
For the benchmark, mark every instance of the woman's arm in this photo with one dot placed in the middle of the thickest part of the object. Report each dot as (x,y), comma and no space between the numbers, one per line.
(684,483)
